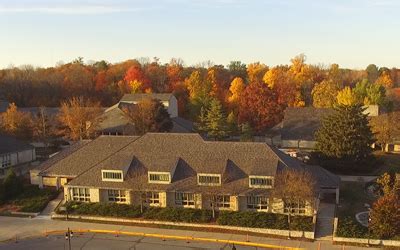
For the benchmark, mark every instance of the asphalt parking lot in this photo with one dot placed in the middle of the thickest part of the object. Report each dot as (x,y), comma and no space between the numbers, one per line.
(103,241)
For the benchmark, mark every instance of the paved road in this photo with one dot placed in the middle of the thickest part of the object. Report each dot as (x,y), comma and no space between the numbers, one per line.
(11,227)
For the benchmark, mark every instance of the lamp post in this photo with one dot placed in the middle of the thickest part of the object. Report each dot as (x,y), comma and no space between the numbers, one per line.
(369,229)
(68,235)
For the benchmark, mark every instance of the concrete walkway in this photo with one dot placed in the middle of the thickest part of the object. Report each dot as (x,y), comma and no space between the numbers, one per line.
(324,227)
(355,178)
(12,227)
(52,205)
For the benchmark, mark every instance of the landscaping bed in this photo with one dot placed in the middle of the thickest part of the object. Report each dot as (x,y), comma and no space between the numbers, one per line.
(239,219)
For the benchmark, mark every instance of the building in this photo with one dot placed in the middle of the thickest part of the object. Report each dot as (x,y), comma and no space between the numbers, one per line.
(14,153)
(114,121)
(168,99)
(179,170)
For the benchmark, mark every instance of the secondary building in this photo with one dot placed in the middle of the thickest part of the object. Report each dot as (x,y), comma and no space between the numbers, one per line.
(180,170)
(14,153)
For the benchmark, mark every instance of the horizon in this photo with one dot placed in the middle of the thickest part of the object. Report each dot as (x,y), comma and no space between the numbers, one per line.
(352,33)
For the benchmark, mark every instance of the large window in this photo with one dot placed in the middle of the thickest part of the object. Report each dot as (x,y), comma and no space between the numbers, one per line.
(206,179)
(159,177)
(185,199)
(116,195)
(5,160)
(153,198)
(260,182)
(257,202)
(223,201)
(81,194)
(111,175)
(294,207)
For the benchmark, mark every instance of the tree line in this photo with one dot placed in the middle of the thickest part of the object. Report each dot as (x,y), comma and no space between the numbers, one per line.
(254,95)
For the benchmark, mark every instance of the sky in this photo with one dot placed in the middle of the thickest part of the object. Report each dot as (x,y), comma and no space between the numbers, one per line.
(352,33)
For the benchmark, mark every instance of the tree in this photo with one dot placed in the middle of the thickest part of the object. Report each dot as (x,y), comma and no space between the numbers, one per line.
(43,126)
(136,86)
(345,137)
(375,95)
(12,185)
(385,216)
(237,69)
(247,133)
(346,97)
(16,123)
(236,89)
(324,94)
(384,127)
(199,90)
(259,107)
(149,115)
(293,187)
(256,72)
(213,121)
(79,118)
(372,72)
(385,80)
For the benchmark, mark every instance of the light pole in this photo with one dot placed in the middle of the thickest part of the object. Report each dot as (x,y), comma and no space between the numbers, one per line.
(369,229)
(68,235)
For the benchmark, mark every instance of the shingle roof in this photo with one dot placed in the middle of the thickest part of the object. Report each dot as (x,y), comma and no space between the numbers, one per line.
(88,156)
(139,97)
(9,144)
(302,123)
(324,178)
(3,105)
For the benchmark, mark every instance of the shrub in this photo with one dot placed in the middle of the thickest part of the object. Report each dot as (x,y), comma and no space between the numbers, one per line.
(349,227)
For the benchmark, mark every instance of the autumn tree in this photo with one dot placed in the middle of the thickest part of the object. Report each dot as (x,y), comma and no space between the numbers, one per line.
(324,94)
(346,97)
(236,89)
(16,123)
(385,80)
(149,115)
(256,72)
(43,126)
(213,121)
(344,138)
(385,216)
(199,92)
(385,127)
(79,118)
(292,188)
(247,133)
(259,107)
(237,69)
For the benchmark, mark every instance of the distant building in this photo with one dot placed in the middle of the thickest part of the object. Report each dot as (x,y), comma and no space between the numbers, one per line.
(13,153)
(177,170)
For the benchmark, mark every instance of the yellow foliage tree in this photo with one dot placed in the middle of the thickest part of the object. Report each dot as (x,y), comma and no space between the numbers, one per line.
(385,80)
(347,97)
(324,94)
(16,123)
(236,89)
(256,72)
(212,79)
(135,86)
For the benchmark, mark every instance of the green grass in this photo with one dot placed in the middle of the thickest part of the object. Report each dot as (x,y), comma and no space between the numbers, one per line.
(33,199)
(352,199)
(389,163)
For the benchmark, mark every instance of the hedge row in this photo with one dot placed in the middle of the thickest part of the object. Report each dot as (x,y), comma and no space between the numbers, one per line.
(265,220)
(240,219)
(33,199)
(349,227)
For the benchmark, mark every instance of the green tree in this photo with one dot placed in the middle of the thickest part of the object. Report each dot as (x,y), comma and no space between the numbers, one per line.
(12,185)
(216,125)
(372,72)
(247,133)
(344,137)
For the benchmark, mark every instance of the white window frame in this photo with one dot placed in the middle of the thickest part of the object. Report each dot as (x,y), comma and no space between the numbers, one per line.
(112,172)
(160,178)
(5,161)
(185,199)
(202,175)
(297,207)
(223,201)
(256,202)
(269,181)
(153,199)
(116,195)
(80,194)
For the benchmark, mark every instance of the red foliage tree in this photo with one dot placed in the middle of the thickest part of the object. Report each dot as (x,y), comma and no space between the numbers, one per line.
(259,106)
(136,72)
(385,216)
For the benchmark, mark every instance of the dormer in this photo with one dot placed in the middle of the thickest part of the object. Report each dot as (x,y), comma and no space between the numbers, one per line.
(112,175)
(159,177)
(259,181)
(205,179)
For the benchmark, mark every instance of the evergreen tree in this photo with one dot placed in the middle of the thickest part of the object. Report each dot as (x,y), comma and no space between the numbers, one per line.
(247,132)
(345,137)
(216,125)
(12,185)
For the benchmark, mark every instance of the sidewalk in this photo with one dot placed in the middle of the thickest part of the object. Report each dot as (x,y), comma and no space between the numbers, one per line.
(12,227)
(52,205)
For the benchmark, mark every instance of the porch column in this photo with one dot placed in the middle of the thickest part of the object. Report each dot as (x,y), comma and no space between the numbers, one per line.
(337,195)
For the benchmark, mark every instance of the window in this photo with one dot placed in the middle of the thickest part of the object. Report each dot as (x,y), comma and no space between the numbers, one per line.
(116,195)
(81,194)
(112,175)
(260,182)
(5,160)
(185,199)
(223,201)
(153,198)
(159,177)
(209,179)
(257,202)
(294,207)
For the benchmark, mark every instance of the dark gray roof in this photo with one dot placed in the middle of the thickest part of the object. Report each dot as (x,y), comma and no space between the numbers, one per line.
(3,105)
(324,178)
(302,123)
(35,110)
(88,156)
(10,144)
(181,125)
(139,97)
(191,155)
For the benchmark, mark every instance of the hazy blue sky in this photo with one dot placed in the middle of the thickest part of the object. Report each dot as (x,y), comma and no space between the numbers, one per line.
(352,33)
